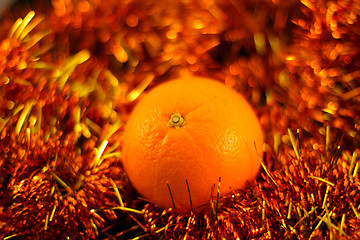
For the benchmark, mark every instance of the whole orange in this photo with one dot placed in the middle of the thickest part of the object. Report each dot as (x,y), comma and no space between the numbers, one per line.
(185,134)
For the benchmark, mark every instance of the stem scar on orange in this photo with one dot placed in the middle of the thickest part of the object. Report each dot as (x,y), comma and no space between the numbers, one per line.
(191,131)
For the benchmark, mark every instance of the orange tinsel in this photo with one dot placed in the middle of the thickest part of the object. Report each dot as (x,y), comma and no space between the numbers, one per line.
(71,71)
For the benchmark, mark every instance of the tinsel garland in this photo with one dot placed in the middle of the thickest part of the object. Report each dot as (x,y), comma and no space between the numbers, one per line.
(71,71)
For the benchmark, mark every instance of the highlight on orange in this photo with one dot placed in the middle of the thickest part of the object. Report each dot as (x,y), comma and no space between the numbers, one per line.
(186,134)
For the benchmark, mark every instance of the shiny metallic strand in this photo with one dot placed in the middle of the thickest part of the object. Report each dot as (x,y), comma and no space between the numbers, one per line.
(48,142)
(310,199)
(322,66)
(50,193)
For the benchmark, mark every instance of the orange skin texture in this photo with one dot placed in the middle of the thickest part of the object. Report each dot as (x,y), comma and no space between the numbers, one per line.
(217,140)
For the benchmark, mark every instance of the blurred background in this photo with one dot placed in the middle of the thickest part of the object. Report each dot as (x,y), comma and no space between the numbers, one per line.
(8,4)
(4,4)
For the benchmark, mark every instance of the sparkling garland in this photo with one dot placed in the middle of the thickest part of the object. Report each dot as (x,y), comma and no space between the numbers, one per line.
(71,72)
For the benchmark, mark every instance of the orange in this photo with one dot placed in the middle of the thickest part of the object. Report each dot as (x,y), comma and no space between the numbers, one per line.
(183,136)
